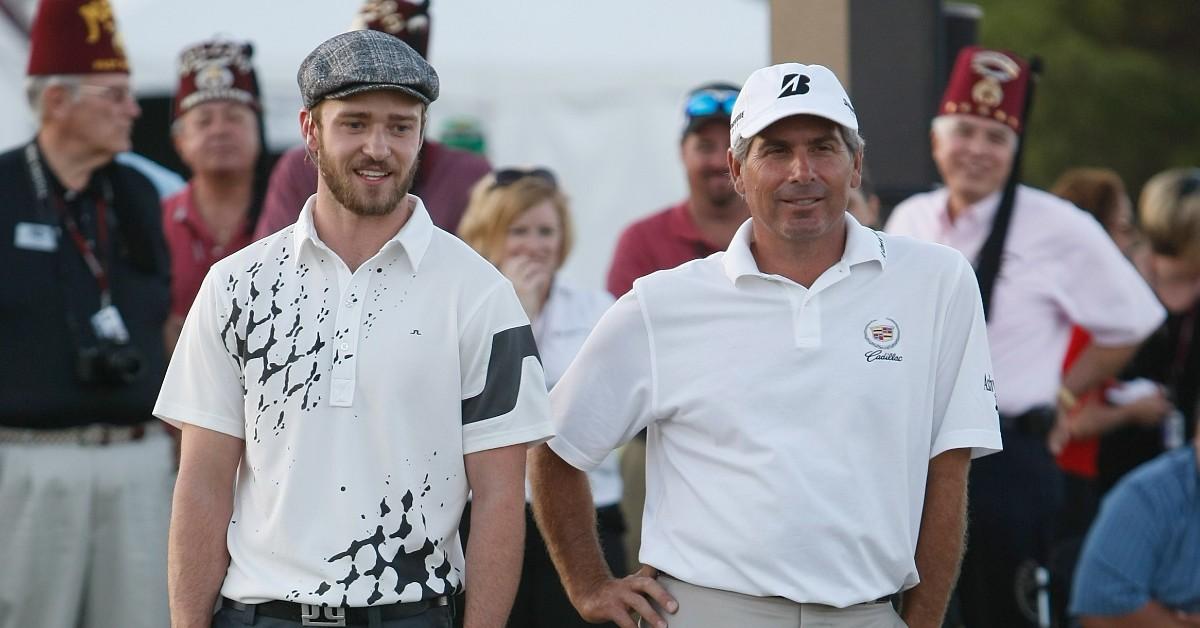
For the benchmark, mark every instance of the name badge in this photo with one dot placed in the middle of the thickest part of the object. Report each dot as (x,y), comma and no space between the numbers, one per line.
(34,236)
(108,325)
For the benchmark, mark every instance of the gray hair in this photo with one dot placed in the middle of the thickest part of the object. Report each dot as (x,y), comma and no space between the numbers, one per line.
(850,137)
(36,86)
(941,128)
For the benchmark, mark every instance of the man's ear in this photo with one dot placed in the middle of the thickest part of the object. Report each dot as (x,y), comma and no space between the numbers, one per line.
(308,129)
(735,172)
(856,178)
(53,99)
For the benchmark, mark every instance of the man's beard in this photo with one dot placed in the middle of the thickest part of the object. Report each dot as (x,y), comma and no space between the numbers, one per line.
(341,185)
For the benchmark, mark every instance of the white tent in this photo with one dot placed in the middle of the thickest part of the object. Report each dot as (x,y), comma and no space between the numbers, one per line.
(593,90)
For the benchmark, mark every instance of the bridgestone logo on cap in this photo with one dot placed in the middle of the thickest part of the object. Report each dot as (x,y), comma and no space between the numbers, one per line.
(794,85)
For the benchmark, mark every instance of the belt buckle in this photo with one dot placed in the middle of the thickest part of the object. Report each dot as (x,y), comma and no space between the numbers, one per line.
(314,615)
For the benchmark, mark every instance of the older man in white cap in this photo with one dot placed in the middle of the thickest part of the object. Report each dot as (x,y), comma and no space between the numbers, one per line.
(813,397)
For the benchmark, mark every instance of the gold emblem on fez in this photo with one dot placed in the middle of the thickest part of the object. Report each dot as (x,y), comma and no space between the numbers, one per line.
(98,15)
(214,76)
(987,92)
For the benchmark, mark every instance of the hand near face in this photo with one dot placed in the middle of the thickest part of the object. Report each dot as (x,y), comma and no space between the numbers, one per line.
(531,279)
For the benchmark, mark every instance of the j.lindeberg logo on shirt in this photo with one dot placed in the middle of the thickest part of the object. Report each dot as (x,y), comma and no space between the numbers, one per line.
(883,334)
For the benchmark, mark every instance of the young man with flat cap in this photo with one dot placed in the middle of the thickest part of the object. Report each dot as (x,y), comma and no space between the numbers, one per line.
(444,174)
(813,396)
(1058,269)
(85,470)
(343,383)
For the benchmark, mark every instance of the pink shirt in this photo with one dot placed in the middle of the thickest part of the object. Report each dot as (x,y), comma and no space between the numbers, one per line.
(1059,269)
(659,241)
(192,247)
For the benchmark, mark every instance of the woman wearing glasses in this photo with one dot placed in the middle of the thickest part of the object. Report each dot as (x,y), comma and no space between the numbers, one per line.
(519,220)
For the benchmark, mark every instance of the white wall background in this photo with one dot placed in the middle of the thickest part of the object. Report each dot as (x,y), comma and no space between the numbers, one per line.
(593,90)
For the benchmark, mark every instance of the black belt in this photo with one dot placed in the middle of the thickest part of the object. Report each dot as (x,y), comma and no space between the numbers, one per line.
(1034,422)
(318,615)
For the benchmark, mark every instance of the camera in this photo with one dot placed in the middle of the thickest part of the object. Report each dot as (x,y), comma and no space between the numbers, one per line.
(109,364)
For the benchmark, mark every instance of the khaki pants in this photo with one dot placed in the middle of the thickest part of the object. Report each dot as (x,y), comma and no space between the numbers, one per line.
(83,534)
(701,607)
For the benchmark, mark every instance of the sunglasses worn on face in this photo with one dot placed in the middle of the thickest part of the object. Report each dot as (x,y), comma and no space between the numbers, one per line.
(710,102)
(509,176)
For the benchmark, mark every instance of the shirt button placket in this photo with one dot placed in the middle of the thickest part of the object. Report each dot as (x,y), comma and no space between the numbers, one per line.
(349,319)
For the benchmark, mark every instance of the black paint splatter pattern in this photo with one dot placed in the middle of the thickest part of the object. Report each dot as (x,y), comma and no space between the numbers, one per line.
(263,339)
(428,566)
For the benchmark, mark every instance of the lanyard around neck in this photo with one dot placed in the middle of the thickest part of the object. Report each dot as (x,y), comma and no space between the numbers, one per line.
(87,250)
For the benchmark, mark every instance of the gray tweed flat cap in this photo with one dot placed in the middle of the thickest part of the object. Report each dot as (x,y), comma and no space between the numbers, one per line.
(361,61)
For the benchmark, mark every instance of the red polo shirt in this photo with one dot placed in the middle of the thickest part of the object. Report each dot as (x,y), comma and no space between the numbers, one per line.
(657,242)
(192,247)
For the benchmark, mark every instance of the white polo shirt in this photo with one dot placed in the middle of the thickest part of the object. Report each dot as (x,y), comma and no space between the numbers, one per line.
(358,395)
(790,429)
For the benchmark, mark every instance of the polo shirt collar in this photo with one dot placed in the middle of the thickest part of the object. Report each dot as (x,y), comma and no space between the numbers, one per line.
(413,238)
(980,212)
(862,245)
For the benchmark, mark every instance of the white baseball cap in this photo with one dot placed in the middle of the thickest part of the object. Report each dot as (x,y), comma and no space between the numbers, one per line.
(789,89)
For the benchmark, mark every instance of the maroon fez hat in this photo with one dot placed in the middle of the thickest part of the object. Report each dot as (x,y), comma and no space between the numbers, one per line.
(987,83)
(75,37)
(216,70)
(408,21)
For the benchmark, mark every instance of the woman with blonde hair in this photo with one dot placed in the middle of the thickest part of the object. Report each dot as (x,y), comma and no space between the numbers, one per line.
(1169,361)
(519,220)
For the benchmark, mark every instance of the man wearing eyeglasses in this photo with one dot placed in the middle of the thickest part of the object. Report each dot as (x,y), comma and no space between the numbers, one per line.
(696,227)
(85,488)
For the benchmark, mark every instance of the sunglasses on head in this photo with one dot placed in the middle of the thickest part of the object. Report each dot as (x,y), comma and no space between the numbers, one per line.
(508,176)
(708,102)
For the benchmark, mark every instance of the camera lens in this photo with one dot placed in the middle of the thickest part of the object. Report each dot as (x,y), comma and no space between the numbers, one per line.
(123,364)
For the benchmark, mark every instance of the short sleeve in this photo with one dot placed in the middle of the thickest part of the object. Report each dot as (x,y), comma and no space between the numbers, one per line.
(1122,309)
(607,394)
(504,389)
(203,385)
(1118,559)
(965,413)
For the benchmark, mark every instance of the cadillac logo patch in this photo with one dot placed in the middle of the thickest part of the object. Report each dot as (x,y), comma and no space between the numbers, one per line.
(882,333)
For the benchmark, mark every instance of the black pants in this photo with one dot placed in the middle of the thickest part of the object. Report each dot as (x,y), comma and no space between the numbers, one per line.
(1014,496)
(541,601)
(230,618)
